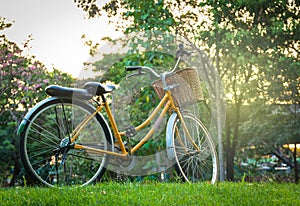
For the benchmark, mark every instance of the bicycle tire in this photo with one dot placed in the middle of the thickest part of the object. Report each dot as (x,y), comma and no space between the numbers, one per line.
(194,165)
(46,131)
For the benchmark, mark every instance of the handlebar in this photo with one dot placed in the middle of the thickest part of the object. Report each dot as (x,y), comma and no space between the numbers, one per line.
(132,68)
(140,68)
(179,54)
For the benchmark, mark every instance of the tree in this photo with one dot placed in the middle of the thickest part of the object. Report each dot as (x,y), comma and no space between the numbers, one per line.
(253,45)
(277,122)
(22,83)
(278,82)
(245,37)
(135,15)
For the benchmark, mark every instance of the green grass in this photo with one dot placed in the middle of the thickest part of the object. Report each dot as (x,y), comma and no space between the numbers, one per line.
(156,194)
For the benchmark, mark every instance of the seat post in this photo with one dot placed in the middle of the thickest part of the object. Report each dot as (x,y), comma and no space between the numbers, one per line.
(103,98)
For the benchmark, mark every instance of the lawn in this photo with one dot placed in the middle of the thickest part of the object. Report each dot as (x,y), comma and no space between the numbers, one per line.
(155,193)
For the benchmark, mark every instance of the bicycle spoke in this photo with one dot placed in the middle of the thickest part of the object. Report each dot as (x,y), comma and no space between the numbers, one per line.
(51,137)
(40,161)
(43,142)
(194,163)
(40,154)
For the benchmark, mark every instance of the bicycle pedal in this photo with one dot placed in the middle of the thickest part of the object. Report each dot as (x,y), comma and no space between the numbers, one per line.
(130,131)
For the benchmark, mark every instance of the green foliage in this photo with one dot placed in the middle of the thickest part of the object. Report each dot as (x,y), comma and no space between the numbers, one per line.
(90,7)
(250,39)
(23,79)
(274,125)
(254,45)
(154,193)
(148,15)
(4,24)
(22,83)
(142,15)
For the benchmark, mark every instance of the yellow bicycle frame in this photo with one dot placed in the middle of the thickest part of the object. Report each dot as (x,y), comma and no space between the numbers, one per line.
(165,104)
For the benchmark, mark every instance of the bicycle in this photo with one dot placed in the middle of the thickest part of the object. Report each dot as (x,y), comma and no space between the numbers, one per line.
(66,140)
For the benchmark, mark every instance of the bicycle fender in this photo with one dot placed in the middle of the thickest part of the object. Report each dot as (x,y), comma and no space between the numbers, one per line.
(30,112)
(169,136)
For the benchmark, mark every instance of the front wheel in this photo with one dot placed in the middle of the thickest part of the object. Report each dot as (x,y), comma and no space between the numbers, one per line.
(46,152)
(195,154)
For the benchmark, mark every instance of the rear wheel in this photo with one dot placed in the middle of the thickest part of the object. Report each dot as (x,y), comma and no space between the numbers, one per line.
(46,152)
(195,156)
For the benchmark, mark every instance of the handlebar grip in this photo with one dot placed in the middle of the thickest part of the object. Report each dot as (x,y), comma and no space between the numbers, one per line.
(132,68)
(181,51)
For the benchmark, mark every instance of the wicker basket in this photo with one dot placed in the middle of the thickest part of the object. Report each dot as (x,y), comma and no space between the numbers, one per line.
(189,90)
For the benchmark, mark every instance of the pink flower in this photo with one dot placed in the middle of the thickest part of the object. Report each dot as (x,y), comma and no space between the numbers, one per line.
(45,81)
(19,85)
(10,55)
(17,61)
(37,86)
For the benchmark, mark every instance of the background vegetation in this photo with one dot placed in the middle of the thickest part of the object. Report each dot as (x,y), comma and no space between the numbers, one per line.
(255,48)
(22,83)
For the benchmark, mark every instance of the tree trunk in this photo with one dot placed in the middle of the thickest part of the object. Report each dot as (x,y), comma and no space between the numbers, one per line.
(231,142)
(219,104)
(295,164)
(230,166)
(16,171)
(16,157)
(229,162)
